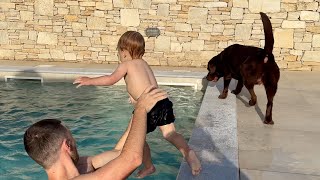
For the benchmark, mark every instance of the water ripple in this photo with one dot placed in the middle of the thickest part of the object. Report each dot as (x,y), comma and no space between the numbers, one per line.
(96,116)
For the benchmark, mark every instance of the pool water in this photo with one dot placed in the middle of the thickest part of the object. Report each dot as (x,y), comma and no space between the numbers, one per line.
(97,117)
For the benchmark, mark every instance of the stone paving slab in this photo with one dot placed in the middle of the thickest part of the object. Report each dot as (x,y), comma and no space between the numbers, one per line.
(280,150)
(209,172)
(246,174)
(290,148)
(214,138)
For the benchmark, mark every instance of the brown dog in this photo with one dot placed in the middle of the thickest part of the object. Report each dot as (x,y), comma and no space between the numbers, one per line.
(249,65)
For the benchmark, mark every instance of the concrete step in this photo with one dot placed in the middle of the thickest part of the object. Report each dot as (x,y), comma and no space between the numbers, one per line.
(214,137)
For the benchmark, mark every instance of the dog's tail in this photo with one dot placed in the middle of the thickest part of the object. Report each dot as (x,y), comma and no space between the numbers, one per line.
(267,27)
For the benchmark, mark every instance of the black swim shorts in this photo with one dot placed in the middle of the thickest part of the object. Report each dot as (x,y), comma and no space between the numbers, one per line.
(161,114)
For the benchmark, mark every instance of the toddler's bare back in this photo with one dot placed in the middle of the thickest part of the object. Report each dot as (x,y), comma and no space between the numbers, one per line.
(139,76)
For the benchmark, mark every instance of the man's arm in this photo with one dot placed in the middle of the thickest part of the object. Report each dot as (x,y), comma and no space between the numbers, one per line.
(105,80)
(132,101)
(132,153)
(129,159)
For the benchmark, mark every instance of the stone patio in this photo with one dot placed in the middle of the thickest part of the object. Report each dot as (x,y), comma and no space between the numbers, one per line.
(290,148)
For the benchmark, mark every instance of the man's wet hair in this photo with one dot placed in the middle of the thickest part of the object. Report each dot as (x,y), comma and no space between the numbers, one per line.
(43,140)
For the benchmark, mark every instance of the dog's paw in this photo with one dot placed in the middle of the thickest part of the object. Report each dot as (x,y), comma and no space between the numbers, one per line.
(235,92)
(252,103)
(268,122)
(222,96)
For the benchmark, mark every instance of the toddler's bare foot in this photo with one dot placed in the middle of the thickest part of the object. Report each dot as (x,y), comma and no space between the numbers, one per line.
(193,162)
(146,172)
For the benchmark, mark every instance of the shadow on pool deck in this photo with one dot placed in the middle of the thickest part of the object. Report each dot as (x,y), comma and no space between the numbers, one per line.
(247,95)
(244,93)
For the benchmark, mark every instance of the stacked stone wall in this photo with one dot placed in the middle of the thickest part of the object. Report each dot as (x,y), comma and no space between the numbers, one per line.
(191,31)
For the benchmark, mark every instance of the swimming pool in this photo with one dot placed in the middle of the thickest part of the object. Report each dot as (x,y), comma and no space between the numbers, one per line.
(97,117)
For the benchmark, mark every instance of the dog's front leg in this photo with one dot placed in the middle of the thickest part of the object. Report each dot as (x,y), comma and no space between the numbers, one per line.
(224,92)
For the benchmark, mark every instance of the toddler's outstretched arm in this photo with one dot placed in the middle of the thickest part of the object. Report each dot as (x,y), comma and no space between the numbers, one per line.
(105,80)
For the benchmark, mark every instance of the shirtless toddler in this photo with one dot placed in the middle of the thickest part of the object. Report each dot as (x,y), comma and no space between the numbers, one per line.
(138,76)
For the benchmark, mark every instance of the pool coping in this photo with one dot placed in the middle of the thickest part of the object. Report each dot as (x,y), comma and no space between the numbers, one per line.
(214,138)
(219,159)
(48,73)
(92,71)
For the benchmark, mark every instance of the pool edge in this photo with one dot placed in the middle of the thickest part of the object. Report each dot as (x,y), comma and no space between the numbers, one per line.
(214,138)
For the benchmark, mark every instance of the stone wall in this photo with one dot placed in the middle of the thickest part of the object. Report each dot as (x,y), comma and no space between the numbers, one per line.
(192,31)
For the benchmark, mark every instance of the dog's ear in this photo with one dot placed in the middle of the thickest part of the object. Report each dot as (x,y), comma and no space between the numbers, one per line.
(211,68)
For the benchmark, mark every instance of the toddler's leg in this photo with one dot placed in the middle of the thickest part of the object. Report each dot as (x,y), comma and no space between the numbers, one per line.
(148,167)
(147,162)
(170,134)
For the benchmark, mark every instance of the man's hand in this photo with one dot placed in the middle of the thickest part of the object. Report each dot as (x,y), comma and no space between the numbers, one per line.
(150,97)
(82,81)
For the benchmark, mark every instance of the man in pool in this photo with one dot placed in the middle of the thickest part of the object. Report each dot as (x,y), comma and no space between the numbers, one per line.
(138,75)
(52,146)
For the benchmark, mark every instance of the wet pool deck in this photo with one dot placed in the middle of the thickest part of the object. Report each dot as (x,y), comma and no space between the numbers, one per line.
(228,135)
